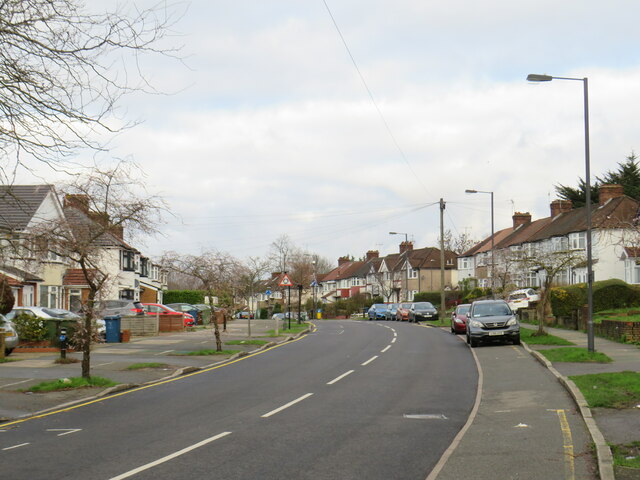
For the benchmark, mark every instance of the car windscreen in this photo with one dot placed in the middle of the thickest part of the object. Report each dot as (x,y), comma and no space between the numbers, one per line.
(516,296)
(57,313)
(463,310)
(423,305)
(491,310)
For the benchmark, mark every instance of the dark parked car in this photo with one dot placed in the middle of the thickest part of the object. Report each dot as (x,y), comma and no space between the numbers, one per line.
(402,312)
(390,312)
(459,318)
(376,311)
(186,308)
(491,320)
(420,311)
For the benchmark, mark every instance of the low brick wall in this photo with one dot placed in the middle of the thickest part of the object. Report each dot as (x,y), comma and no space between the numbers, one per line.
(171,323)
(618,330)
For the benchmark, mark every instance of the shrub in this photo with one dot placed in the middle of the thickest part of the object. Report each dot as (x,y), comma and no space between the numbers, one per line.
(6,296)
(30,329)
(607,294)
(183,296)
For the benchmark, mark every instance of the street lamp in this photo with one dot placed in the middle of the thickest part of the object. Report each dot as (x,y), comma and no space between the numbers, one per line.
(493,263)
(406,276)
(533,77)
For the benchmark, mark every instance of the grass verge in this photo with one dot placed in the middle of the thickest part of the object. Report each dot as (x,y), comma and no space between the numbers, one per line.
(610,390)
(295,328)
(574,355)
(70,383)
(532,338)
(246,342)
(627,455)
(139,366)
(205,352)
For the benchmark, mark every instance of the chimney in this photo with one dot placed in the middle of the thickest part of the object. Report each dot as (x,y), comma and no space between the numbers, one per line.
(521,218)
(560,206)
(371,254)
(406,247)
(607,192)
(117,231)
(81,202)
(343,260)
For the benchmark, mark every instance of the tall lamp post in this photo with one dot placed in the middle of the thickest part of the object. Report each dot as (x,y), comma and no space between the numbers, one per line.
(533,77)
(493,263)
(406,276)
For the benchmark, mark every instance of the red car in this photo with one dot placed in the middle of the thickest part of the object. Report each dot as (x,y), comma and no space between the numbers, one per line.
(459,318)
(157,308)
(402,313)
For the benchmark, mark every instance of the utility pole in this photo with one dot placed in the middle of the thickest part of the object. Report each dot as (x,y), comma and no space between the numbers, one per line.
(443,307)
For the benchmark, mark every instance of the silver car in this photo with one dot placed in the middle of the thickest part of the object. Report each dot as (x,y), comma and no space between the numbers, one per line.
(10,335)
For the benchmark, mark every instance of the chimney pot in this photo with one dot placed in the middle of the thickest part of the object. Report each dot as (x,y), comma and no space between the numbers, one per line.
(406,247)
(607,192)
(560,206)
(521,218)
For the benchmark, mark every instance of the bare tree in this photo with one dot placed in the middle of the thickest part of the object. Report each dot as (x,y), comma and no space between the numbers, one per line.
(64,71)
(280,253)
(458,243)
(99,207)
(549,263)
(251,272)
(218,276)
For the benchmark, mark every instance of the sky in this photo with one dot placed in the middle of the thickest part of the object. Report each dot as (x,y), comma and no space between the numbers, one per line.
(270,125)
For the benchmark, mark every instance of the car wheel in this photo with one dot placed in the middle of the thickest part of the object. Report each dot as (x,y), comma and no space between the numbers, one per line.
(453,330)
(473,342)
(7,351)
(468,339)
(516,340)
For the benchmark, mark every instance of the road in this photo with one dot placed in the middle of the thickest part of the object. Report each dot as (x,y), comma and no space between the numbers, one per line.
(351,400)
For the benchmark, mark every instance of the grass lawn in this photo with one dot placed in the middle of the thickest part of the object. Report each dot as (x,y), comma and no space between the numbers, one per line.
(610,390)
(69,383)
(621,314)
(531,337)
(246,342)
(138,366)
(574,354)
(7,360)
(205,352)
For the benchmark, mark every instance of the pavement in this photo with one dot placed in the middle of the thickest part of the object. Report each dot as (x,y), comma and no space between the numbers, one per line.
(111,361)
(607,426)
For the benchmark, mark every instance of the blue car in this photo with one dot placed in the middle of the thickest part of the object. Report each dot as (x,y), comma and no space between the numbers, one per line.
(376,311)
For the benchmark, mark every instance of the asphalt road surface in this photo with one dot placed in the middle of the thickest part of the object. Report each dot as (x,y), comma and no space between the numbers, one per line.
(351,400)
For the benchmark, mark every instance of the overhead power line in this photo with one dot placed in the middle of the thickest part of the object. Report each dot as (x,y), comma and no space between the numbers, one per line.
(373,100)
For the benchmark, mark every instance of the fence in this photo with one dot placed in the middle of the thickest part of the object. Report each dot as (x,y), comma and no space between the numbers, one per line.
(140,325)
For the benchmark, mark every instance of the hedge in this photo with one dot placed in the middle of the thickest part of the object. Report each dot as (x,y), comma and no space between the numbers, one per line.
(451,297)
(183,296)
(607,294)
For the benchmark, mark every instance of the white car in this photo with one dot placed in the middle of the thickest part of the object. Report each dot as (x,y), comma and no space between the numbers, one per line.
(522,298)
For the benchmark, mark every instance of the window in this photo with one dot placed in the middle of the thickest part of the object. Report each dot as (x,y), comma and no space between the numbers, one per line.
(631,271)
(531,279)
(154,272)
(559,244)
(49,296)
(144,267)
(412,294)
(127,294)
(578,240)
(412,273)
(75,299)
(464,263)
(127,261)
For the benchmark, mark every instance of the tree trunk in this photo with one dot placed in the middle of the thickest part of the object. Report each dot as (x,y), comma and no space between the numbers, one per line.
(87,334)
